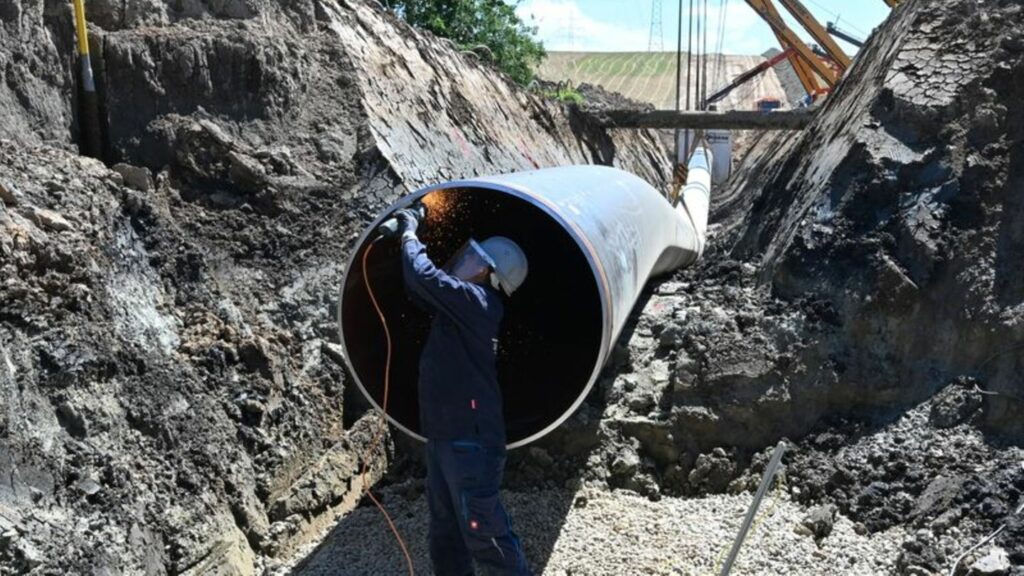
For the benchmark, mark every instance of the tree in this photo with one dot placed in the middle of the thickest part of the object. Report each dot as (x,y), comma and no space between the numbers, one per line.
(475,23)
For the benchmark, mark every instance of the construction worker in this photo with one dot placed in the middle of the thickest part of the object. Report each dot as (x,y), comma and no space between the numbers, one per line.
(460,401)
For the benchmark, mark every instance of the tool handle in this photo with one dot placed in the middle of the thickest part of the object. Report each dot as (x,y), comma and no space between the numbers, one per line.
(389,227)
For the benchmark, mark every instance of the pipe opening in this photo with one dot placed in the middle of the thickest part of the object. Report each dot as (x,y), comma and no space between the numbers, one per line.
(551,335)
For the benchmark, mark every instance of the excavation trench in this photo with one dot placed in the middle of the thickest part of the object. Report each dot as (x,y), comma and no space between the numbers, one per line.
(593,235)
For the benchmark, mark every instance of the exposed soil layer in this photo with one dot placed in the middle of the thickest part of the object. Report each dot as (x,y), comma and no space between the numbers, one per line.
(836,254)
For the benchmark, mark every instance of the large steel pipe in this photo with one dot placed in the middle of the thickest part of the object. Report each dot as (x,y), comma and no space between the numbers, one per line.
(593,234)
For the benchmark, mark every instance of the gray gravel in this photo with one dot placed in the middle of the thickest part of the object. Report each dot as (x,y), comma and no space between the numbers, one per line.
(592,532)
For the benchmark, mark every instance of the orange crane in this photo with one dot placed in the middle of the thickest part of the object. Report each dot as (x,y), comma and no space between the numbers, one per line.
(745,77)
(808,66)
(820,34)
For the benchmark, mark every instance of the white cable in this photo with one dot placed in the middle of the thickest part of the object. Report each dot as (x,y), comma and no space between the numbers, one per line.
(766,479)
(960,558)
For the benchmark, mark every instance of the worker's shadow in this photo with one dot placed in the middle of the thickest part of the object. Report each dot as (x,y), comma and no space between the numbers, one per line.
(544,479)
(541,489)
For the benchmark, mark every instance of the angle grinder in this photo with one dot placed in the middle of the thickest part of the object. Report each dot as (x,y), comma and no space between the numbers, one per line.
(390,226)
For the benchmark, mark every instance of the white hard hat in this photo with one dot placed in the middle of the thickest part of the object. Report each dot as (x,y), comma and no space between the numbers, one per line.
(510,264)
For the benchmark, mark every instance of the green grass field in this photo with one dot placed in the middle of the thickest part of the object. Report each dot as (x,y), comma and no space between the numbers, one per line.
(650,76)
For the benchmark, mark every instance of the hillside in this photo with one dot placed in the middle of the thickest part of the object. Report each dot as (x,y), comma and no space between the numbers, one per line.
(650,76)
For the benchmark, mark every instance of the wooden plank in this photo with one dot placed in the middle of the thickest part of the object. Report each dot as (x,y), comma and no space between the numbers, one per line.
(731,120)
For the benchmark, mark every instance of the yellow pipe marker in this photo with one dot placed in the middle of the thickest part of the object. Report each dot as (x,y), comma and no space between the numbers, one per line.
(83,32)
(91,138)
(88,83)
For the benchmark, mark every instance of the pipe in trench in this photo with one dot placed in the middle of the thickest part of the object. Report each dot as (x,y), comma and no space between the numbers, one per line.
(594,235)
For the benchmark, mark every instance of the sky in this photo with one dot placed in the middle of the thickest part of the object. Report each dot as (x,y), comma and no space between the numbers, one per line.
(625,25)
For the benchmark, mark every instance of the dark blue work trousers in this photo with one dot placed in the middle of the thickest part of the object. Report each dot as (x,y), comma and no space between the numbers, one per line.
(467,520)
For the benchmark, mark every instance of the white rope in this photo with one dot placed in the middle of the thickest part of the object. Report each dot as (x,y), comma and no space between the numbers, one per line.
(986,540)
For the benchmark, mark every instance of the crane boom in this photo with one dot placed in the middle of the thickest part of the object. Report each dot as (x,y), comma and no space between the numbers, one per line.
(746,77)
(766,10)
(808,79)
(842,35)
(808,21)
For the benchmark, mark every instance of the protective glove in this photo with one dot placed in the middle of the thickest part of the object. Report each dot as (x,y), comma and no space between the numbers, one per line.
(403,222)
(408,221)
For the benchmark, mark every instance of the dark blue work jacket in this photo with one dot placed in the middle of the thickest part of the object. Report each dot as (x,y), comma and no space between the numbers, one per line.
(458,381)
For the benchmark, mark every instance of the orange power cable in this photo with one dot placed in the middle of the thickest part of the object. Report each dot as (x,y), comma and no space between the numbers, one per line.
(384,410)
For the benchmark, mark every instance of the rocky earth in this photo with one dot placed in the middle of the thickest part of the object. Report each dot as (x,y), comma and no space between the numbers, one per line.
(902,199)
(908,495)
(37,93)
(791,85)
(594,531)
(172,392)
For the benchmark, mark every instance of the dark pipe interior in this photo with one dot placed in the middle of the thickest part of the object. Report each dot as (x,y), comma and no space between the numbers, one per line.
(551,333)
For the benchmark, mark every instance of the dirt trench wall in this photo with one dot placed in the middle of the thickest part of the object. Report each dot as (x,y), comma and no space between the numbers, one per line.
(880,247)
(172,391)
(853,270)
(432,112)
(36,101)
(901,208)
(484,123)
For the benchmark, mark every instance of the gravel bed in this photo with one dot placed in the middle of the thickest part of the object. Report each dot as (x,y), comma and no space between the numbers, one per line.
(596,532)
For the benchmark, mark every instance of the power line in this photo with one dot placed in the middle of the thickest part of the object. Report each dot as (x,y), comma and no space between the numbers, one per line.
(704,73)
(679,65)
(837,16)
(689,57)
(656,39)
(719,71)
(696,88)
(679,72)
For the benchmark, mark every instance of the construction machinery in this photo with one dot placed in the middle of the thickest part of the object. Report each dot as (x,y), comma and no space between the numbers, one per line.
(836,31)
(819,33)
(810,63)
(701,120)
(817,68)
(745,77)
(811,69)
(767,104)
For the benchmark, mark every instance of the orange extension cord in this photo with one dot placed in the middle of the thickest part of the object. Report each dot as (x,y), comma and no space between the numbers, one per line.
(384,410)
